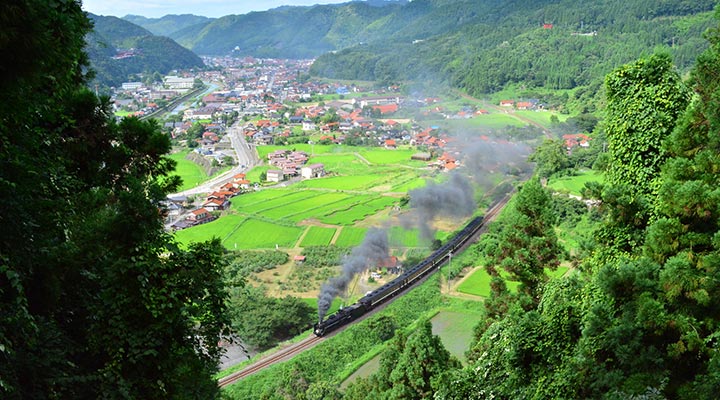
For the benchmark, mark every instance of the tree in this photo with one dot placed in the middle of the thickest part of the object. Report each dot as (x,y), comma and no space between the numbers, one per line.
(96,300)
(551,157)
(644,99)
(421,366)
(526,243)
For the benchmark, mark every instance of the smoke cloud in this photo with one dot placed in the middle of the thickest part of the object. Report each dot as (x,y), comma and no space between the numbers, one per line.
(453,198)
(373,249)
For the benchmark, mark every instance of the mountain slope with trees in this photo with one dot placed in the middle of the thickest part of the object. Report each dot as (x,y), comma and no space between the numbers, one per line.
(168,24)
(149,53)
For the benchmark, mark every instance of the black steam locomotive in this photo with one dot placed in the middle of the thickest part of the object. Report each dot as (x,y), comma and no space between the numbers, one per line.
(393,288)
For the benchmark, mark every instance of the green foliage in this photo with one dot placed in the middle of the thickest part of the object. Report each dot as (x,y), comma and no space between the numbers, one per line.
(525,243)
(643,101)
(242,263)
(152,53)
(324,256)
(642,323)
(96,300)
(489,47)
(263,321)
(551,157)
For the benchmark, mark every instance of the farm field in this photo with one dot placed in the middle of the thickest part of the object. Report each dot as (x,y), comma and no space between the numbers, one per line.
(256,234)
(574,184)
(455,330)
(318,236)
(350,236)
(478,283)
(540,116)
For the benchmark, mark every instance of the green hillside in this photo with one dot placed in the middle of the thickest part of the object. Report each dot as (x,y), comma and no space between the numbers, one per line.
(167,24)
(150,53)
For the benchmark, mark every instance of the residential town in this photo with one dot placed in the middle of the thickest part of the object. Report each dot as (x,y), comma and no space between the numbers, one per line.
(274,102)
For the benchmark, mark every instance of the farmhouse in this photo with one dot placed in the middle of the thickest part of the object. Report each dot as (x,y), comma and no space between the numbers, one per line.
(313,171)
(199,216)
(275,175)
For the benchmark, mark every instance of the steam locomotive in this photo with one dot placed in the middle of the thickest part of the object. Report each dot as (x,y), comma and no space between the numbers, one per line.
(393,288)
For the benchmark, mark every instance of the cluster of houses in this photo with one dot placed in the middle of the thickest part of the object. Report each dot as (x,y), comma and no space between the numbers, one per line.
(216,201)
(532,104)
(291,164)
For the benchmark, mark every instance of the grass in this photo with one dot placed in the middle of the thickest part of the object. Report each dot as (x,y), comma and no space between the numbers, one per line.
(478,283)
(487,122)
(358,211)
(540,116)
(350,236)
(354,182)
(256,234)
(191,174)
(221,228)
(574,184)
(318,236)
(399,156)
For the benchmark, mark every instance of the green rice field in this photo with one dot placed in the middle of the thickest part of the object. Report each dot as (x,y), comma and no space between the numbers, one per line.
(237,232)
(256,234)
(318,236)
(350,236)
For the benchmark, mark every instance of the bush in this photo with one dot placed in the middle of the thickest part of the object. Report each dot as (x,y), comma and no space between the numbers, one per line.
(242,263)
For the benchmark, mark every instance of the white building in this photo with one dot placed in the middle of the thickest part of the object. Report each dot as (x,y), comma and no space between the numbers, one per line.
(177,83)
(275,175)
(131,85)
(312,171)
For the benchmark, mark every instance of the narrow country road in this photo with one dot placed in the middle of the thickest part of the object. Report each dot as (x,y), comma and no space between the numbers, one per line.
(246,159)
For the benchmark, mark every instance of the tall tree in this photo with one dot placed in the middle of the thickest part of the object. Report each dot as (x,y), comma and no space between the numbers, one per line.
(644,99)
(526,243)
(95,298)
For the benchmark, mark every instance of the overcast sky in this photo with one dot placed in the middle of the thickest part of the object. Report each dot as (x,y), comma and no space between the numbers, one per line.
(207,8)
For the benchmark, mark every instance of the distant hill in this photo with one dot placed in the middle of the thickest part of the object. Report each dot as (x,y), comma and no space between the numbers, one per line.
(483,46)
(119,49)
(168,24)
(291,32)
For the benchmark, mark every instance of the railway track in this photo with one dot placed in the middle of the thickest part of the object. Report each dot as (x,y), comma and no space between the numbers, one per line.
(263,363)
(311,341)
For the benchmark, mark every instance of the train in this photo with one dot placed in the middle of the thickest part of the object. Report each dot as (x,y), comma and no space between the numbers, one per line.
(391,289)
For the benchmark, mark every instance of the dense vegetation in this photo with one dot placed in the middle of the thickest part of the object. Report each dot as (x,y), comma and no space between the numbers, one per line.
(96,300)
(151,53)
(639,320)
(495,44)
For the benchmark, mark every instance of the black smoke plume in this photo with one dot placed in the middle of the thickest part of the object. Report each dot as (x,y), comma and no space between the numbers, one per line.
(373,250)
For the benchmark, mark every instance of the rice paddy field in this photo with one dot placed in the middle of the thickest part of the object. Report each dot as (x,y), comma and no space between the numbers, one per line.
(478,283)
(317,236)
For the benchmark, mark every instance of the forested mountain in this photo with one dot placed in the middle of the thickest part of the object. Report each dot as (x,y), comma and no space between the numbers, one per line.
(555,44)
(119,49)
(168,24)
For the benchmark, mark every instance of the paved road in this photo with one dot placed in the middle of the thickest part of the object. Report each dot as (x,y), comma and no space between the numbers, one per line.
(245,154)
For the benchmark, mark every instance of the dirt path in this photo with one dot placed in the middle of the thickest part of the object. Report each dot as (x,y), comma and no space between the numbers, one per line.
(302,236)
(336,235)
